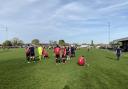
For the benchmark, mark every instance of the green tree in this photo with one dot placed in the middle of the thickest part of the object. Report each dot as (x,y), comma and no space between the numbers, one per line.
(7,43)
(17,42)
(35,42)
(20,43)
(61,42)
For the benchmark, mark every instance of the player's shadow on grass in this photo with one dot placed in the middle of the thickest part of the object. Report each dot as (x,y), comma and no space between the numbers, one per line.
(66,87)
(111,58)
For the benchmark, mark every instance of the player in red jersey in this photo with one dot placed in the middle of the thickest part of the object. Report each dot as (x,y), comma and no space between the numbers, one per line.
(63,54)
(44,53)
(57,51)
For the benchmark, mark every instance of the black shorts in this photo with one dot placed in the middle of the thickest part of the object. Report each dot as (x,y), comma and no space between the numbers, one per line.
(32,54)
(67,53)
(57,56)
(118,55)
(63,56)
(45,55)
(27,54)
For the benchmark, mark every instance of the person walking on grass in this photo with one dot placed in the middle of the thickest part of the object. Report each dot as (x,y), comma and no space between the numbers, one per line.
(88,48)
(27,52)
(40,52)
(118,53)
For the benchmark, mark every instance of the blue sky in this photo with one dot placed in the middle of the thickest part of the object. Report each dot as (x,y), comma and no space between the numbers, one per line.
(71,20)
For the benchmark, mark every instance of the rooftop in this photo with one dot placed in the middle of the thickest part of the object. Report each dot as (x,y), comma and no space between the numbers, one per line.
(122,39)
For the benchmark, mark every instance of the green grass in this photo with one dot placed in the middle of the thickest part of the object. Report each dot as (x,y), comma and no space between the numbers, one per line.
(104,72)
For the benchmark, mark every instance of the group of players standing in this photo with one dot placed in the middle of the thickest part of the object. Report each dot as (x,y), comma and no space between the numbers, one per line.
(61,53)
(30,53)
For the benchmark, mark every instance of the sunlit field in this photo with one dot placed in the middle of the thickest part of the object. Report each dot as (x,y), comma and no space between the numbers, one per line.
(103,72)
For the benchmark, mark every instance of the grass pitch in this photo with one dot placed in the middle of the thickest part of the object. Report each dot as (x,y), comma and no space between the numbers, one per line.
(103,72)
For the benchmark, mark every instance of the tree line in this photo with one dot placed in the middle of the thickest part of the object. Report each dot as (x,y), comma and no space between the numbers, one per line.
(14,42)
(17,42)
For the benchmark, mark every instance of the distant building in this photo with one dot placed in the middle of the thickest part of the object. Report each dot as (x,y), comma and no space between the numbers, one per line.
(102,46)
(123,42)
(84,46)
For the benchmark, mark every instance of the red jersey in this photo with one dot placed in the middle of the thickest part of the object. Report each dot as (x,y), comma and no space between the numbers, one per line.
(57,50)
(44,52)
(81,61)
(64,51)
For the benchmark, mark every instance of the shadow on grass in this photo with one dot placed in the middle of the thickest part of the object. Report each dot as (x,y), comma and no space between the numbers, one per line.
(66,87)
(111,58)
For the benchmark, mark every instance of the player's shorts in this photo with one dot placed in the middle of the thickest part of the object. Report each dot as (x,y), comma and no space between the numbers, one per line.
(63,56)
(72,52)
(118,54)
(32,54)
(45,55)
(57,55)
(67,53)
(27,54)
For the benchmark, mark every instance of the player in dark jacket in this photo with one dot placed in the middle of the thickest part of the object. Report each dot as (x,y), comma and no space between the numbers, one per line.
(32,53)
(118,53)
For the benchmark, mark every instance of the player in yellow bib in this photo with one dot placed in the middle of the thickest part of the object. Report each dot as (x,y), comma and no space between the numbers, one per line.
(40,52)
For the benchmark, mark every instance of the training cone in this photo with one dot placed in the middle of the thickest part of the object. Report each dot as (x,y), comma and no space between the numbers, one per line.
(81,61)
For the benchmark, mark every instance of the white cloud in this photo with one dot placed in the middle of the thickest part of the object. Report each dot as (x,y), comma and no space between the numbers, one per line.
(69,18)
